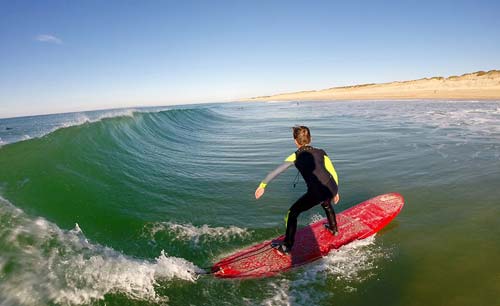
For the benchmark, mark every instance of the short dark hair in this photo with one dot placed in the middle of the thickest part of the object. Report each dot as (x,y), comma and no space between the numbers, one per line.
(302,135)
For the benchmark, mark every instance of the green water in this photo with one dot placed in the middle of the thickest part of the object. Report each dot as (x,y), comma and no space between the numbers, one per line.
(125,210)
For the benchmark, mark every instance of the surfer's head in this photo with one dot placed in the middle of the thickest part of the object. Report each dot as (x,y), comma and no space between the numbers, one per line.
(302,135)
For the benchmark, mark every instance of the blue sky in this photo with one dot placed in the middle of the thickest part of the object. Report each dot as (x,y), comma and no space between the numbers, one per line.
(58,56)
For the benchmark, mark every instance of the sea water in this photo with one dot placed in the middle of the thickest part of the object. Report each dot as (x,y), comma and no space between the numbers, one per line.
(128,207)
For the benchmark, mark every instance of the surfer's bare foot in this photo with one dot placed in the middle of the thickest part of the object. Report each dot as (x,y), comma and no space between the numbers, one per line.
(333,231)
(280,247)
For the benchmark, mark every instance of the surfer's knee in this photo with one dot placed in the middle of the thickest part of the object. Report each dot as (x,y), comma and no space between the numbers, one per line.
(286,217)
(327,206)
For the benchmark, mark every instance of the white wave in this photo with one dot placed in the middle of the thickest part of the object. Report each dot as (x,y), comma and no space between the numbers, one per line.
(286,293)
(78,120)
(50,265)
(83,118)
(473,117)
(348,266)
(197,233)
(479,120)
(351,262)
(129,112)
(281,295)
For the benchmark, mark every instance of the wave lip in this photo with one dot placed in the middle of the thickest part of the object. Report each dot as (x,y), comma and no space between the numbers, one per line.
(24,128)
(50,265)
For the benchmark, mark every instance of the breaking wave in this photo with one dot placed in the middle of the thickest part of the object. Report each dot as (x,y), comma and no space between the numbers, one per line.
(57,266)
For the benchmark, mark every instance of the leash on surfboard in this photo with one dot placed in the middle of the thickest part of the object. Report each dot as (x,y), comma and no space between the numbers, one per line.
(205,271)
(296,179)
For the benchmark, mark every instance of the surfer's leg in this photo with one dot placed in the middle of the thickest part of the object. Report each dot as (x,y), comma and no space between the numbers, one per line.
(330,216)
(304,203)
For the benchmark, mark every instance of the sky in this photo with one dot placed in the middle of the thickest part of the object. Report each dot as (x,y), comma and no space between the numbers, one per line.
(61,56)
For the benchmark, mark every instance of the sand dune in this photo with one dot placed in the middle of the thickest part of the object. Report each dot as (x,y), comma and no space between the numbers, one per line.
(477,85)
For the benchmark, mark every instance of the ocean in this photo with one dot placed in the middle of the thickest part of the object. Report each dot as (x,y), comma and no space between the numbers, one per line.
(127,207)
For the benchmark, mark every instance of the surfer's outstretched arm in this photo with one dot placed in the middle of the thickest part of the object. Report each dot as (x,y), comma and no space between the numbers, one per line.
(273,174)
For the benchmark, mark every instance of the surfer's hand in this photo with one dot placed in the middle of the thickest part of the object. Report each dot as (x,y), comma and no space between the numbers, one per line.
(336,199)
(259,192)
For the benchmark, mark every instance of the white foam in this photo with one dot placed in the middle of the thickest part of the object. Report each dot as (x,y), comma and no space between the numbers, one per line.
(51,265)
(78,120)
(286,293)
(195,234)
(129,112)
(281,295)
(349,263)
(83,118)
(348,266)
(476,118)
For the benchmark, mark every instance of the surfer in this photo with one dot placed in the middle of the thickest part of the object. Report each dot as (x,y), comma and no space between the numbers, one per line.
(321,179)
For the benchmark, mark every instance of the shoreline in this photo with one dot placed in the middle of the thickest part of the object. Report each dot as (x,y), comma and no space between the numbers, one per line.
(470,86)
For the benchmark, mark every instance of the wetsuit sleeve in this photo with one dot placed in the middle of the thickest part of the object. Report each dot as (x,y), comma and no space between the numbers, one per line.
(280,169)
(331,169)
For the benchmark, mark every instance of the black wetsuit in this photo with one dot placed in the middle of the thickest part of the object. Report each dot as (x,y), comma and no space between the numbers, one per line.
(321,180)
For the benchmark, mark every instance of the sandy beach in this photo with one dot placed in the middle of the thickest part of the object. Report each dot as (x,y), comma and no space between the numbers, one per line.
(470,86)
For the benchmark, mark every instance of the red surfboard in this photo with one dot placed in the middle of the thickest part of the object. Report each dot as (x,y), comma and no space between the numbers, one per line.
(313,241)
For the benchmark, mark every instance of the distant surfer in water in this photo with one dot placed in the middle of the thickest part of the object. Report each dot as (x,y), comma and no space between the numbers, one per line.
(322,185)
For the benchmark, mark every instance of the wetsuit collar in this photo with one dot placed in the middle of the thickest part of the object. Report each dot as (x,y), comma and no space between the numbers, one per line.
(304,148)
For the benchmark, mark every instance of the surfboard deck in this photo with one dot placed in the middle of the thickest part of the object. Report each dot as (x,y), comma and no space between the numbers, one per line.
(313,241)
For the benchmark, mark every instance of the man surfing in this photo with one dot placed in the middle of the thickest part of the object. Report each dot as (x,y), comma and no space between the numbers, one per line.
(321,179)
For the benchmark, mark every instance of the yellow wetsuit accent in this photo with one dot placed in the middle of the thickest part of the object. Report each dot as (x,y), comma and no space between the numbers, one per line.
(262,185)
(331,169)
(291,158)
